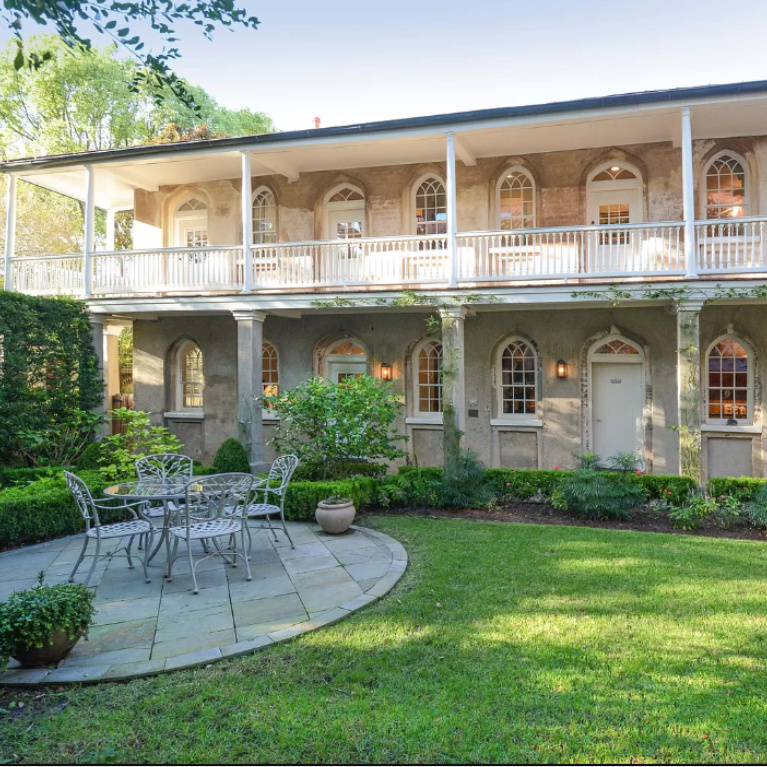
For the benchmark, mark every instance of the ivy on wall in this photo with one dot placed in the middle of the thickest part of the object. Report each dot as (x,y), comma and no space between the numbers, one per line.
(49,372)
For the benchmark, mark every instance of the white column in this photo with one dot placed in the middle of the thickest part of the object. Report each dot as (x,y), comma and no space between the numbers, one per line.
(250,335)
(688,198)
(90,220)
(10,230)
(110,243)
(453,381)
(247,224)
(451,210)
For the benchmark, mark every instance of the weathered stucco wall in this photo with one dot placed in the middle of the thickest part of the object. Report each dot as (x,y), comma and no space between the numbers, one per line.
(560,182)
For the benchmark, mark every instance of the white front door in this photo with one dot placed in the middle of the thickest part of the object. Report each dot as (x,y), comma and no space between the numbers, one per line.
(346,224)
(617,405)
(613,207)
(340,369)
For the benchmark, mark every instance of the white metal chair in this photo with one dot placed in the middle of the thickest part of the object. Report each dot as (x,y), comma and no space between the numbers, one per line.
(213,510)
(274,488)
(89,508)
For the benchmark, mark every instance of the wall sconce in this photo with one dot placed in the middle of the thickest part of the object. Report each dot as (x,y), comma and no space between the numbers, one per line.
(385,371)
(561,369)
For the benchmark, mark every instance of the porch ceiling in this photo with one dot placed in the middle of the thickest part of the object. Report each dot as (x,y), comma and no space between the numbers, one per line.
(118,175)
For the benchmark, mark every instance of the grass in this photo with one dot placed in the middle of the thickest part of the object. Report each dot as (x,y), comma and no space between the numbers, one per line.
(503,643)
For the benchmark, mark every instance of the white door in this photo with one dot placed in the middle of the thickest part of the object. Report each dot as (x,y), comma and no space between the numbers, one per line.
(615,207)
(340,369)
(346,224)
(616,250)
(617,404)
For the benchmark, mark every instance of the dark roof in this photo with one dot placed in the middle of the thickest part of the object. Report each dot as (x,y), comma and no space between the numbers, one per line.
(673,95)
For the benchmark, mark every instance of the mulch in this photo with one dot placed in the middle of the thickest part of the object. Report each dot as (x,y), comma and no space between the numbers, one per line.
(642,519)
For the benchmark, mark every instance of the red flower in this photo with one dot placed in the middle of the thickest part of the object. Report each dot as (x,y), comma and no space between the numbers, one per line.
(555,468)
(638,472)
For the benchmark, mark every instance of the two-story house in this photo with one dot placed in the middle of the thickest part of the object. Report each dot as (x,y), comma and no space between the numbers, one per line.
(263,260)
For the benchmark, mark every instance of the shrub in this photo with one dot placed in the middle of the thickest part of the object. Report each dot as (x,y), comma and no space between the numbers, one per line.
(524,484)
(743,488)
(755,510)
(463,483)
(231,456)
(596,495)
(317,472)
(90,459)
(29,618)
(414,487)
(45,509)
(333,423)
(694,513)
(201,470)
(50,379)
(672,489)
(120,451)
(302,497)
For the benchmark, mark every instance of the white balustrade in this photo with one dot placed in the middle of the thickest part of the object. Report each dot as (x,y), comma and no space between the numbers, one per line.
(730,246)
(653,250)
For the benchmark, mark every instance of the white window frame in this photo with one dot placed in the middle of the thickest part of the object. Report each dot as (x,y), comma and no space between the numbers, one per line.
(183,219)
(179,371)
(425,415)
(342,205)
(498,374)
(749,419)
(258,235)
(746,185)
(414,205)
(264,344)
(506,173)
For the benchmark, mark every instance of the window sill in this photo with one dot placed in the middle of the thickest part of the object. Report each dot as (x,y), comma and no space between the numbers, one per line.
(269,418)
(532,422)
(184,415)
(421,421)
(745,429)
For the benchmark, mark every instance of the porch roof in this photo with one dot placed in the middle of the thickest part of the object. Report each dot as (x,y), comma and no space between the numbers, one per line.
(624,119)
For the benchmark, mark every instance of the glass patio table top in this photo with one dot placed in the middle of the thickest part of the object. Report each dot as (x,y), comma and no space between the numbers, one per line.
(168,489)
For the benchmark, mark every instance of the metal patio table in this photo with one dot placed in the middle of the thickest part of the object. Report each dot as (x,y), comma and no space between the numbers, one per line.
(166,492)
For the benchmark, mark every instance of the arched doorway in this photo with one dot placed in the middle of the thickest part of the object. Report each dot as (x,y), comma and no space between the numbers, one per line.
(345,359)
(615,195)
(617,397)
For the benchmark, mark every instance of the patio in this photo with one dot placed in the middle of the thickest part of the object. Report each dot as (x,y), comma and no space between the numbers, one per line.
(148,628)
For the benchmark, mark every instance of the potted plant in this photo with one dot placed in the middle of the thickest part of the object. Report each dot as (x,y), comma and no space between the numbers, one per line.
(335,513)
(40,626)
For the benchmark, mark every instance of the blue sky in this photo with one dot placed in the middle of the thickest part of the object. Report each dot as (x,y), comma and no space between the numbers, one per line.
(359,61)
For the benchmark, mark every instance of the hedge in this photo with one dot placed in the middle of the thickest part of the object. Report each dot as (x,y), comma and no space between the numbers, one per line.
(743,488)
(302,497)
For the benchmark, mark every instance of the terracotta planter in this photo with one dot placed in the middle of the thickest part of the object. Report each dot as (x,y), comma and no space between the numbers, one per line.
(335,517)
(33,657)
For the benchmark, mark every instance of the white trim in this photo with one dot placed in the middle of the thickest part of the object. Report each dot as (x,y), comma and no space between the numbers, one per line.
(747,191)
(178,364)
(417,421)
(714,428)
(520,419)
(412,227)
(185,415)
(511,169)
(419,414)
(186,217)
(10,230)
(503,423)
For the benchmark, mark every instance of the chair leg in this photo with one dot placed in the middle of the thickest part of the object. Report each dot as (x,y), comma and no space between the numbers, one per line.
(147,547)
(127,551)
(246,528)
(248,576)
(80,558)
(285,528)
(95,559)
(172,559)
(196,589)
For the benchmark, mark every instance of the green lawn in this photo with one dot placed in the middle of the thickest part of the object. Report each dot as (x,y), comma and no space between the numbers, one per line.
(502,643)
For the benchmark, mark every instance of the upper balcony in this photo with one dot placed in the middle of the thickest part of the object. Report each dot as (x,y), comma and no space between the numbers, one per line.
(640,187)
(555,255)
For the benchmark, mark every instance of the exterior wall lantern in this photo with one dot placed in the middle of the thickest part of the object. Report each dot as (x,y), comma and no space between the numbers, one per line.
(385,371)
(561,369)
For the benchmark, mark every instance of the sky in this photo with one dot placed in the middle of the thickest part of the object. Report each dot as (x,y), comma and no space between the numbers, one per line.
(350,61)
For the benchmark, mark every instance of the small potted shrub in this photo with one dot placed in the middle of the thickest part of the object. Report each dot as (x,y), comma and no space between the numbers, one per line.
(335,513)
(40,626)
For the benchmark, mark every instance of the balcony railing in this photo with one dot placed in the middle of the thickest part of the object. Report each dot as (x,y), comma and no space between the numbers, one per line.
(652,251)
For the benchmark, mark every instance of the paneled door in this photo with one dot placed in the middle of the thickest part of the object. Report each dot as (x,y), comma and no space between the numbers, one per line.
(617,407)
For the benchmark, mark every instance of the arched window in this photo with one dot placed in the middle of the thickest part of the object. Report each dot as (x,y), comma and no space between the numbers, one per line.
(614,198)
(191,224)
(726,193)
(516,200)
(519,380)
(427,363)
(430,207)
(345,213)
(189,376)
(264,217)
(345,359)
(270,370)
(729,385)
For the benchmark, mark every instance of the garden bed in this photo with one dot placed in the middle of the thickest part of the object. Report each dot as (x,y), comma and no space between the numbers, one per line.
(642,520)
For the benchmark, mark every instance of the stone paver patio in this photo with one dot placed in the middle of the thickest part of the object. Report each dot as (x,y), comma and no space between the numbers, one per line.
(148,628)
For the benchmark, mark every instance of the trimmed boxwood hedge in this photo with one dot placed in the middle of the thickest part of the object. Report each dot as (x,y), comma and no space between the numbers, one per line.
(302,497)
(743,488)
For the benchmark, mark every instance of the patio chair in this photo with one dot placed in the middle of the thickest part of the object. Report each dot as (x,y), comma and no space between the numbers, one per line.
(273,488)
(94,529)
(163,467)
(212,511)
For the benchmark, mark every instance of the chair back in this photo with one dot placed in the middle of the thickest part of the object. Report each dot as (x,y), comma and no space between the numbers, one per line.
(217,495)
(280,473)
(83,499)
(163,466)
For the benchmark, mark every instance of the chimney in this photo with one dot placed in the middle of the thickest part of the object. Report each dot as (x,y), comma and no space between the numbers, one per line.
(316,122)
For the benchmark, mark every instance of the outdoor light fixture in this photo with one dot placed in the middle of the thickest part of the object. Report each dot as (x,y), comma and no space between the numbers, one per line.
(385,371)
(561,369)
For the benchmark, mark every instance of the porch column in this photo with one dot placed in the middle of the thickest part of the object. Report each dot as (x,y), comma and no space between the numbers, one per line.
(689,395)
(90,219)
(453,381)
(688,198)
(451,210)
(99,339)
(250,334)
(10,230)
(247,226)
(110,241)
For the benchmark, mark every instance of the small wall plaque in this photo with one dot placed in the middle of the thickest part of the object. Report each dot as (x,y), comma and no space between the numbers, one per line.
(473,413)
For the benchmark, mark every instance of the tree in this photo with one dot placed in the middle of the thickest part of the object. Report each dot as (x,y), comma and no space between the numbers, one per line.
(115,20)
